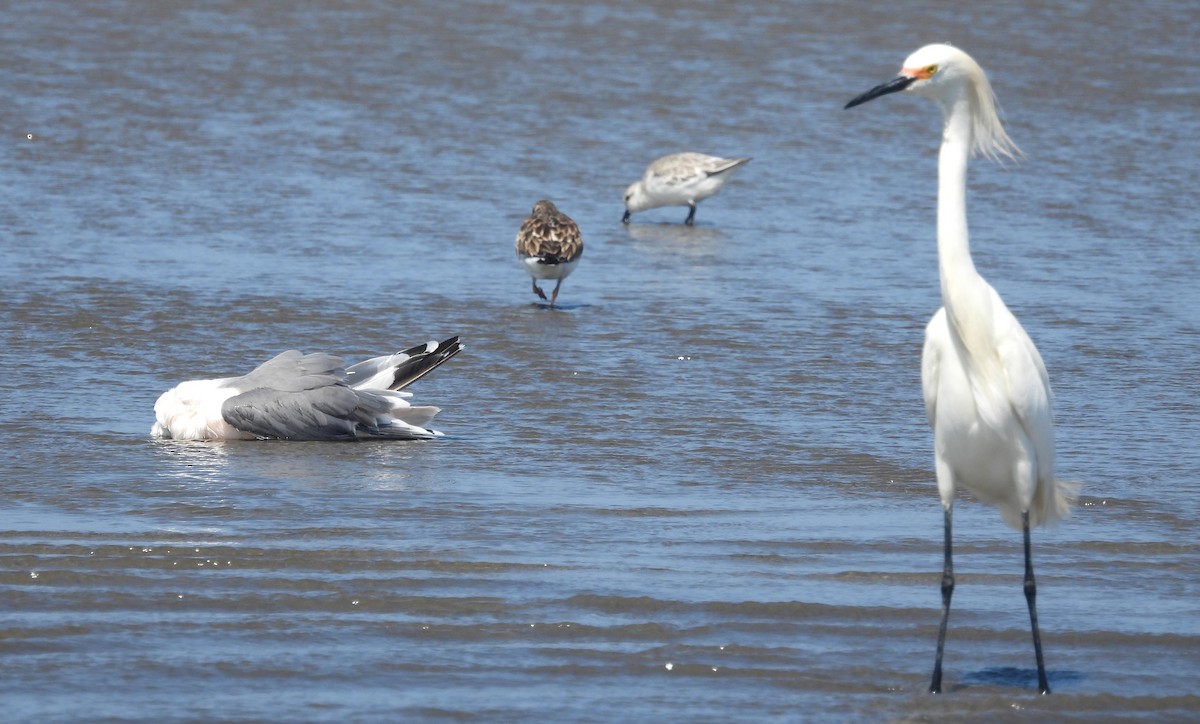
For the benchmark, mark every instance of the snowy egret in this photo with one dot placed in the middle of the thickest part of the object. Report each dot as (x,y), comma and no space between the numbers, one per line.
(986,389)
(295,396)
(681,179)
(549,246)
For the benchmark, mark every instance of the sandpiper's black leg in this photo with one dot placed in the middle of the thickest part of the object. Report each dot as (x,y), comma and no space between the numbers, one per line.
(935,687)
(554,294)
(1031,599)
(538,290)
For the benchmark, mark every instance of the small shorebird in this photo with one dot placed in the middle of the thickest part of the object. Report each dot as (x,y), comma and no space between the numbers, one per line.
(681,179)
(987,394)
(549,246)
(295,396)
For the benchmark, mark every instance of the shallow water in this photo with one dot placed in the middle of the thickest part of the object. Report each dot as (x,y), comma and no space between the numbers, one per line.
(703,489)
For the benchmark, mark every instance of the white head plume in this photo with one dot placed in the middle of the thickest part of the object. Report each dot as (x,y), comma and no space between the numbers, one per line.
(943,72)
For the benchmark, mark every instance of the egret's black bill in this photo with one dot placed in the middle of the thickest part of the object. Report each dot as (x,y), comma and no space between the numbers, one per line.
(892,86)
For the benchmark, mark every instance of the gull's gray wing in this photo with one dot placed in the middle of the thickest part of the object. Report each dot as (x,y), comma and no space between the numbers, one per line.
(333,412)
(293,371)
(295,396)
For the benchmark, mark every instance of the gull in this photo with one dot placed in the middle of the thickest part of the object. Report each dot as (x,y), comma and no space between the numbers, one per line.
(986,390)
(549,246)
(296,396)
(680,179)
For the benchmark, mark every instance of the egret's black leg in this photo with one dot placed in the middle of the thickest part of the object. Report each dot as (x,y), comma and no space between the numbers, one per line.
(1031,599)
(691,214)
(935,687)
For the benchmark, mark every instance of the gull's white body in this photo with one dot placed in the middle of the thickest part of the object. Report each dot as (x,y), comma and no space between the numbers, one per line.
(306,397)
(680,179)
(192,411)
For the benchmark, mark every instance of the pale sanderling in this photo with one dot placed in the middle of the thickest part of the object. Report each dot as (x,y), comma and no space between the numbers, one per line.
(549,246)
(680,179)
(295,396)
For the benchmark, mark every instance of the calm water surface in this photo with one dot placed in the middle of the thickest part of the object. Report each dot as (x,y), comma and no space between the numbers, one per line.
(701,491)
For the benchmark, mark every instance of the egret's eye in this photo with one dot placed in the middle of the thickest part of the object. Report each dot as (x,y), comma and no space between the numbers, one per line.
(931,69)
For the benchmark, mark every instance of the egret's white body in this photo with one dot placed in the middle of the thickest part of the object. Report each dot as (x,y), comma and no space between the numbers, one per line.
(986,390)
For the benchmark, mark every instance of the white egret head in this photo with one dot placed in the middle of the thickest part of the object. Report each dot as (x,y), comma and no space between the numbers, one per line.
(949,76)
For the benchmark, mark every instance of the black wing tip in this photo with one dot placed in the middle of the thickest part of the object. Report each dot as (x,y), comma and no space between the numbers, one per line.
(425,360)
(450,347)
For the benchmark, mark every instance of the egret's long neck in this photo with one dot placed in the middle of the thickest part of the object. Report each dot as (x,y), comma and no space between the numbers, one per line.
(956,269)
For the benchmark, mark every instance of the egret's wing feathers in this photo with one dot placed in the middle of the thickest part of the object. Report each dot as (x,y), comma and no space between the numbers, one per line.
(937,333)
(1027,383)
(1032,399)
